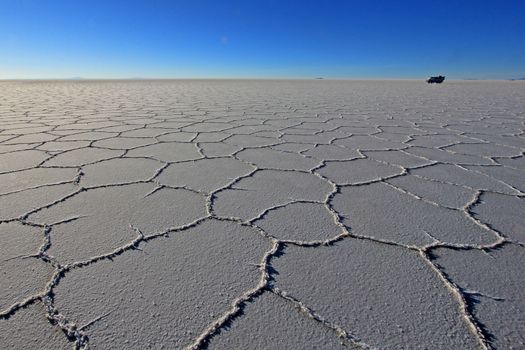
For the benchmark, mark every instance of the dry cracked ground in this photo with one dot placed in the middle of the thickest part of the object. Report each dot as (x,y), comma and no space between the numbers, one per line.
(262,215)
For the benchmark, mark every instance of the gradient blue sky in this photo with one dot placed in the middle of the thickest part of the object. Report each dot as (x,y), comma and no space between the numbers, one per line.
(261,38)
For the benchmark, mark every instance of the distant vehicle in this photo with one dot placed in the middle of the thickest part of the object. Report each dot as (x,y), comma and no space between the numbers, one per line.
(436,80)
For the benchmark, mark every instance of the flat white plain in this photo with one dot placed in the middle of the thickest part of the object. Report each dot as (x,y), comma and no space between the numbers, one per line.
(262,214)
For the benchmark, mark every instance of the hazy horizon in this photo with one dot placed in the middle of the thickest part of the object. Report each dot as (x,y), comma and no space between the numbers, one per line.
(250,78)
(262,39)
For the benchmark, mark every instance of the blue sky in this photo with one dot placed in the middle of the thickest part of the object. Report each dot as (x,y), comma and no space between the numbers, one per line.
(261,38)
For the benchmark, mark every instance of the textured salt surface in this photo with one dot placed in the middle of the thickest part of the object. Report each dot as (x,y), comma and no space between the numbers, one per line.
(262,214)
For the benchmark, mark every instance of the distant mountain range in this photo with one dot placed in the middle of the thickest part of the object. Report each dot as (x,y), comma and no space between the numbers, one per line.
(132,78)
(511,79)
(320,78)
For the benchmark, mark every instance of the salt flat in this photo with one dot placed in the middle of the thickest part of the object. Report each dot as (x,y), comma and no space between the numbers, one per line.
(262,215)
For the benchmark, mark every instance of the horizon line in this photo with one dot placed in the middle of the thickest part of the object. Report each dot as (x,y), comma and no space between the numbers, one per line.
(251,78)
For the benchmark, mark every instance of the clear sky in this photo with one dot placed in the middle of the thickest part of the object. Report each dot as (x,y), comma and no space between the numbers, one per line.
(262,38)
